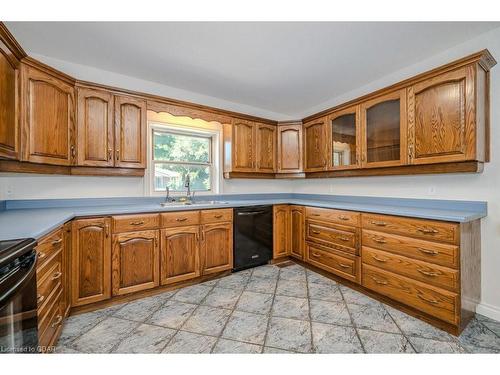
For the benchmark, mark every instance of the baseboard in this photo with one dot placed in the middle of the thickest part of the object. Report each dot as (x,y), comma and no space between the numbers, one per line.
(489,311)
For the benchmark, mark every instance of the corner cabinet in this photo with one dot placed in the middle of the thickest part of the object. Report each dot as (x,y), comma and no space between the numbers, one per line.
(297,230)
(315,145)
(290,148)
(281,231)
(344,130)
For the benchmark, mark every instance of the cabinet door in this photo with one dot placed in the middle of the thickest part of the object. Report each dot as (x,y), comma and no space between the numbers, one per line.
(345,148)
(383,123)
(290,148)
(315,145)
(95,128)
(130,132)
(244,146)
(66,267)
(91,261)
(281,229)
(442,118)
(180,254)
(216,247)
(266,148)
(135,261)
(9,108)
(297,231)
(48,116)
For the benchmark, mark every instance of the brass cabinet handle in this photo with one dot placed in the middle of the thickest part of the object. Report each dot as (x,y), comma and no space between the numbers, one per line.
(218,216)
(316,255)
(106,230)
(313,214)
(41,255)
(55,242)
(426,251)
(429,273)
(137,222)
(344,265)
(57,322)
(379,223)
(181,219)
(427,230)
(377,281)
(203,235)
(56,275)
(316,231)
(379,240)
(117,152)
(73,152)
(379,259)
(345,239)
(431,301)
(110,153)
(343,217)
(40,298)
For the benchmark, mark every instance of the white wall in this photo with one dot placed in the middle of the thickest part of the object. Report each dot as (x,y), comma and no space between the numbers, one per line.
(483,186)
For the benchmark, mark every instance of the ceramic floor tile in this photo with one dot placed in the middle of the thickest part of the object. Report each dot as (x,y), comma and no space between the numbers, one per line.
(61,349)
(476,334)
(352,296)
(77,325)
(104,336)
(269,350)
(268,271)
(172,314)
(325,292)
(261,285)
(330,312)
(491,324)
(236,347)
(222,297)
(141,309)
(381,342)
(192,294)
(335,339)
(259,303)
(422,345)
(289,334)
(190,343)
(373,317)
(316,278)
(291,288)
(207,320)
(145,339)
(293,274)
(290,307)
(245,326)
(234,281)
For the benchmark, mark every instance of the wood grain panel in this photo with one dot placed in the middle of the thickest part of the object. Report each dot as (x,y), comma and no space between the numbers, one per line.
(335,216)
(244,146)
(135,222)
(266,148)
(281,231)
(333,261)
(316,142)
(297,228)
(340,237)
(216,247)
(290,155)
(180,218)
(216,216)
(9,104)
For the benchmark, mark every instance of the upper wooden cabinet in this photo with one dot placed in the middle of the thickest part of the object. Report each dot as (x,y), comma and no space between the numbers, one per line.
(443,123)
(95,128)
(345,137)
(130,132)
(290,148)
(47,121)
(266,148)
(315,145)
(244,146)
(383,128)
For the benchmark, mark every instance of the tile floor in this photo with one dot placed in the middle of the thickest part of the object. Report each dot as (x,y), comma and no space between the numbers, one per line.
(266,310)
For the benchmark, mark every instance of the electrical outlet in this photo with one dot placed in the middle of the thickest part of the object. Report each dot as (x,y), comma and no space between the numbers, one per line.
(431,190)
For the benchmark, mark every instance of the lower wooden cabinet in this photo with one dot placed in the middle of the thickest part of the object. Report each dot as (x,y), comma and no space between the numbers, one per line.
(91,261)
(281,231)
(135,261)
(216,247)
(297,231)
(180,254)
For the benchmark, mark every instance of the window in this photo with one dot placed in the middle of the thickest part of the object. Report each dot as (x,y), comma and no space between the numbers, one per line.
(177,154)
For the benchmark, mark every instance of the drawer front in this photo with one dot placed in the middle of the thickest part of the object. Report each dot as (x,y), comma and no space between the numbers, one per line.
(436,302)
(332,234)
(180,218)
(216,216)
(334,262)
(426,272)
(48,246)
(48,279)
(432,252)
(335,216)
(48,328)
(419,228)
(127,223)
(46,311)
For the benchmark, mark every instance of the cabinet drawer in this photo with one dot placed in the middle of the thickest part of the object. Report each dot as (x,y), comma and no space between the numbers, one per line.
(180,218)
(47,310)
(48,246)
(419,228)
(49,279)
(127,223)
(436,302)
(426,272)
(216,216)
(331,235)
(432,252)
(334,262)
(50,325)
(335,216)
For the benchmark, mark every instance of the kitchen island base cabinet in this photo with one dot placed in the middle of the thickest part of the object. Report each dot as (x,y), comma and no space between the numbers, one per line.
(91,261)
(216,247)
(135,261)
(180,254)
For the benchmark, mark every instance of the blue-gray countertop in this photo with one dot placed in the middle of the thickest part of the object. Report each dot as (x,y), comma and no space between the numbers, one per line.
(35,218)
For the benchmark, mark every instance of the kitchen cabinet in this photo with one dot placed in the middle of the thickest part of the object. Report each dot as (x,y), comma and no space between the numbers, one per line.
(216,247)
(96,140)
(266,148)
(47,118)
(66,266)
(383,128)
(345,138)
(315,145)
(244,146)
(290,155)
(297,230)
(180,254)
(130,132)
(281,229)
(135,261)
(90,261)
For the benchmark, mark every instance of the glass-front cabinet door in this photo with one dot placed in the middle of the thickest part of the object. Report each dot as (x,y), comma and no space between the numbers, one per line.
(345,146)
(383,123)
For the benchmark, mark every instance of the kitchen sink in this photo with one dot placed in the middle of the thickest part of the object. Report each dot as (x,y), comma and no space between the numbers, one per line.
(195,203)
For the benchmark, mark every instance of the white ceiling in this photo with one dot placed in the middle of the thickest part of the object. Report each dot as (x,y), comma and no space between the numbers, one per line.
(283,67)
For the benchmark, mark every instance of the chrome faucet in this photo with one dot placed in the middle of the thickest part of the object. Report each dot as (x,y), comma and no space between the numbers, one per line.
(187,184)
(167,198)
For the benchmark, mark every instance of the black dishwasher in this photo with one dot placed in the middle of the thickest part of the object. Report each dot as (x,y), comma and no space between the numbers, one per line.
(253,236)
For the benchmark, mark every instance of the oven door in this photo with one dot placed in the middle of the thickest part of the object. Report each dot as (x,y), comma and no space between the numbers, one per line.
(18,306)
